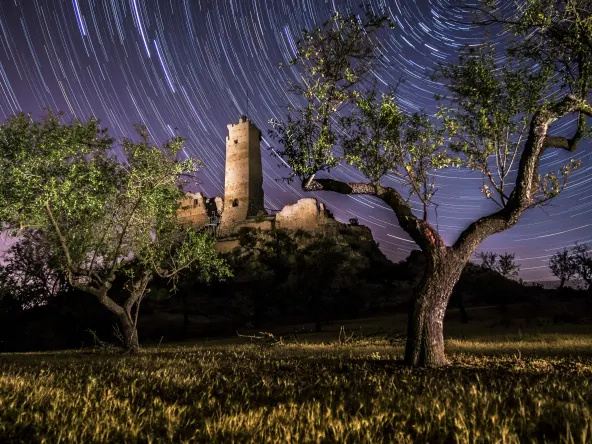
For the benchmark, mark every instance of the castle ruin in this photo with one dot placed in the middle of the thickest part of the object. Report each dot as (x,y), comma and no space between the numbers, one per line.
(243,181)
(243,203)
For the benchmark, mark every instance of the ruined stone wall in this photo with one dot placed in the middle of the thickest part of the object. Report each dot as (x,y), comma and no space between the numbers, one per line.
(306,214)
(243,180)
(195,209)
(243,193)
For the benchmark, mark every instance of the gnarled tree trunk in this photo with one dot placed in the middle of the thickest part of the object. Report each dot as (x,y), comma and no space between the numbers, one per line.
(425,329)
(127,315)
(129,320)
(131,343)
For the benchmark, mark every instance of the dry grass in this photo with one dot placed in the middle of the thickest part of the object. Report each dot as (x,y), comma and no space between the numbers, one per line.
(532,389)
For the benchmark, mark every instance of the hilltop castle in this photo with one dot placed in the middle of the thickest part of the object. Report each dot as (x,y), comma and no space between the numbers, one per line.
(243,203)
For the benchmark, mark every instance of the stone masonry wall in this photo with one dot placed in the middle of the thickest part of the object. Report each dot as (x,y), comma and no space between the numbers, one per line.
(195,209)
(306,214)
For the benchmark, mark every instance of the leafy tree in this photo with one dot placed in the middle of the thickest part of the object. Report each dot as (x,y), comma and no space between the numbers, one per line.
(583,261)
(494,117)
(254,267)
(102,217)
(563,266)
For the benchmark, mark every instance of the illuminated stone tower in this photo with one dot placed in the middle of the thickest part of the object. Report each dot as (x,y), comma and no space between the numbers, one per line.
(243,182)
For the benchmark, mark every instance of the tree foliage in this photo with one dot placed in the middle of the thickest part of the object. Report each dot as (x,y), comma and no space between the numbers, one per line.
(495,119)
(487,116)
(334,58)
(30,274)
(297,274)
(102,216)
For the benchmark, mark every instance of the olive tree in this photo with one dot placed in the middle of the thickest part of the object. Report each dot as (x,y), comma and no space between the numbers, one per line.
(494,118)
(102,216)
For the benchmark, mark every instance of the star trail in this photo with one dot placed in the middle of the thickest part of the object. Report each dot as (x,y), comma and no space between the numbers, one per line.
(190,67)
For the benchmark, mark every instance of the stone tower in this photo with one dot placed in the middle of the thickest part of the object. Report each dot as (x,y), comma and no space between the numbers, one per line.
(243,182)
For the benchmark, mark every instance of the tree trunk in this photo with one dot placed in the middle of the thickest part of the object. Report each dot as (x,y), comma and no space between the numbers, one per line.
(130,334)
(129,320)
(425,330)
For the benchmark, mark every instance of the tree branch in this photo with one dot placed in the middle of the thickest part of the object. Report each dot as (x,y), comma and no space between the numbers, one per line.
(101,295)
(523,194)
(424,235)
(122,236)
(557,142)
(63,243)
(137,291)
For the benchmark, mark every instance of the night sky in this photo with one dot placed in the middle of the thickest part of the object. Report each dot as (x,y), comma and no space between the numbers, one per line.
(190,67)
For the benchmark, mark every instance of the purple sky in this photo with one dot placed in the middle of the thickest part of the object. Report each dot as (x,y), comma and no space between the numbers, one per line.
(187,67)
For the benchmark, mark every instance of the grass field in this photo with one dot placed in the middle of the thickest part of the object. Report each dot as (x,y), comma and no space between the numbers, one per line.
(526,388)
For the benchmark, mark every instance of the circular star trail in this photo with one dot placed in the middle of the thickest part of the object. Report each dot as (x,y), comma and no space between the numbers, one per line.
(190,67)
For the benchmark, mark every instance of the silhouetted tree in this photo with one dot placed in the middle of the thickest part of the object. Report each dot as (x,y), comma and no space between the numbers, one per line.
(318,266)
(30,273)
(506,265)
(582,257)
(563,266)
(488,259)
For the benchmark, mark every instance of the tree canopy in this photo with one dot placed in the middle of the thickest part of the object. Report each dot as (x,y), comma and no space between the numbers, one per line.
(496,118)
(100,215)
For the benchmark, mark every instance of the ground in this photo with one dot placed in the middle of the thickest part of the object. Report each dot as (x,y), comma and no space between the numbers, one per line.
(506,385)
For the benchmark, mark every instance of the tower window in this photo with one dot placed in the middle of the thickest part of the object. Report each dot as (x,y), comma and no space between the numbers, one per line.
(235,203)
